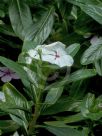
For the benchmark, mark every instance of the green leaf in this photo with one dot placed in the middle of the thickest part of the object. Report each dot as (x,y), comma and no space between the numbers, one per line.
(2,13)
(63,104)
(91,107)
(73,118)
(20,17)
(81,74)
(61,121)
(14,66)
(27,45)
(76,87)
(98,66)
(90,7)
(53,95)
(40,32)
(14,97)
(19,99)
(5,29)
(92,54)
(32,76)
(75,76)
(67,131)
(73,49)
(8,126)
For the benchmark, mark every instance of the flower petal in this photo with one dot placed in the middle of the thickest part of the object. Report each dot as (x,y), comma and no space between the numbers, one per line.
(65,60)
(14,76)
(1,73)
(6,78)
(48,58)
(3,70)
(55,45)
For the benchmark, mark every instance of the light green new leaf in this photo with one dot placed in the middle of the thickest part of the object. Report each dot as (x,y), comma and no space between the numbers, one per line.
(73,49)
(91,107)
(20,17)
(90,7)
(39,32)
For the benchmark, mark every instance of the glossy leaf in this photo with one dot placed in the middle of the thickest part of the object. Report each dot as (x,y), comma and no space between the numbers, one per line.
(98,66)
(73,49)
(91,8)
(63,104)
(8,126)
(53,95)
(20,17)
(40,32)
(92,54)
(14,97)
(10,90)
(73,118)
(75,76)
(68,131)
(91,107)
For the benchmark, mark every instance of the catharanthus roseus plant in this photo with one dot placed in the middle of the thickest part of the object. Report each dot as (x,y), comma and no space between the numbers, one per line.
(54,48)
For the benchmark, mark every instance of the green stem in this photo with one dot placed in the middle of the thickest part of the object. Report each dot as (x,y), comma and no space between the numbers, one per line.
(32,124)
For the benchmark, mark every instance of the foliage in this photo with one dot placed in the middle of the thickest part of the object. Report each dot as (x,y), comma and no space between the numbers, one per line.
(58,98)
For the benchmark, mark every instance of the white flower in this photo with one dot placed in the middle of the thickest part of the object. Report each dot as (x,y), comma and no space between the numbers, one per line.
(53,53)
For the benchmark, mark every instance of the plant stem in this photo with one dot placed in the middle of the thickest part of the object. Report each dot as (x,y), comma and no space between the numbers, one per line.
(32,124)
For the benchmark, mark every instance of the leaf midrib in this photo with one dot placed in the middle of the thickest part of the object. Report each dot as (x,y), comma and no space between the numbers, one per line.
(44,22)
(19,9)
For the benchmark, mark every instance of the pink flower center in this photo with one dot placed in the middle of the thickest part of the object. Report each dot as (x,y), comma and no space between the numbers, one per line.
(56,55)
(8,72)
